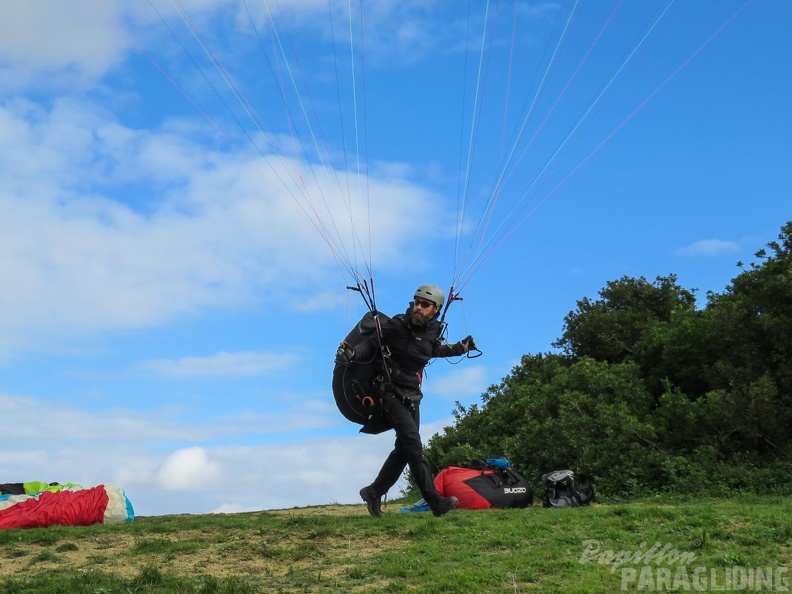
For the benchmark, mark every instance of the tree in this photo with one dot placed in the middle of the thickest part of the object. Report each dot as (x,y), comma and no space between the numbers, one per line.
(552,412)
(650,393)
(752,320)
(610,328)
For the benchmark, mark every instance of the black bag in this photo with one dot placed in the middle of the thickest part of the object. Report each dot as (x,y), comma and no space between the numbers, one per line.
(357,394)
(563,489)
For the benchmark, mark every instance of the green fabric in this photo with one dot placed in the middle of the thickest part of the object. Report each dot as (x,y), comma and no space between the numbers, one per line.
(33,487)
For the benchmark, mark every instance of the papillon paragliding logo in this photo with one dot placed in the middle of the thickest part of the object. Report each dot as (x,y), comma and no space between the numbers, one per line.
(661,567)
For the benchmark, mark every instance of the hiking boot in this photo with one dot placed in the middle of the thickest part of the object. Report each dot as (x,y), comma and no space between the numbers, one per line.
(443,505)
(372,499)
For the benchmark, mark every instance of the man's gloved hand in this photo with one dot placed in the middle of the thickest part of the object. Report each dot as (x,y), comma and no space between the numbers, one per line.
(345,353)
(469,344)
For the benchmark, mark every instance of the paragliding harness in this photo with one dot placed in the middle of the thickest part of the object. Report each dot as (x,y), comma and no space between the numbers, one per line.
(359,387)
(563,489)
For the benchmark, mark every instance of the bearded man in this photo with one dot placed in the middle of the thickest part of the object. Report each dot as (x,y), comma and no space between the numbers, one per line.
(408,342)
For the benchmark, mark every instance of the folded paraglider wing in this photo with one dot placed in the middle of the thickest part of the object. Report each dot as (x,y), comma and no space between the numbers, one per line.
(72,506)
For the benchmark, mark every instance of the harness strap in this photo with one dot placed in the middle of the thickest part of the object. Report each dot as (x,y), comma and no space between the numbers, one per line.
(382,347)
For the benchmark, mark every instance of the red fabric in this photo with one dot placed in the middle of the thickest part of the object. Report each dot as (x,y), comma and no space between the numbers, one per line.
(66,508)
(449,482)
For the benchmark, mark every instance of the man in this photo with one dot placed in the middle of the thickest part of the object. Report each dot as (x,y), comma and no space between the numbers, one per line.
(409,341)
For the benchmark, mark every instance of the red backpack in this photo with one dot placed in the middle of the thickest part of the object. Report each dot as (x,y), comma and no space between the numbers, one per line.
(483,484)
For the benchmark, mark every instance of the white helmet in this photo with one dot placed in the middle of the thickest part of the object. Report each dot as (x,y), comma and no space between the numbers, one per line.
(431,293)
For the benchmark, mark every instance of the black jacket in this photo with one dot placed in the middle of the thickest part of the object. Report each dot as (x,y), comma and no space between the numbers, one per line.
(410,347)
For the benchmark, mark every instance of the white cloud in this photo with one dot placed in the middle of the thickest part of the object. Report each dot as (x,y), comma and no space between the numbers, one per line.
(170,464)
(69,41)
(297,473)
(56,44)
(221,364)
(107,227)
(323,300)
(72,44)
(462,382)
(159,477)
(189,468)
(41,423)
(709,247)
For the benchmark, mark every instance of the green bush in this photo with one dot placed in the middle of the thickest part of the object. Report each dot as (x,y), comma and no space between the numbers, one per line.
(649,394)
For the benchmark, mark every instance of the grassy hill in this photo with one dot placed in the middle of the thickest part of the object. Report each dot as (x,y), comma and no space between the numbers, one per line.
(662,544)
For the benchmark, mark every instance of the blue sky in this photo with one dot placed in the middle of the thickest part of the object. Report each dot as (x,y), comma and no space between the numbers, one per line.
(187,188)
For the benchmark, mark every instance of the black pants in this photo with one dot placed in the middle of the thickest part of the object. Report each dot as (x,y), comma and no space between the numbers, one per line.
(407,451)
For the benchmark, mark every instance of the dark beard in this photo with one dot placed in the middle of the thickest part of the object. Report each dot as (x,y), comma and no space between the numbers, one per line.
(418,319)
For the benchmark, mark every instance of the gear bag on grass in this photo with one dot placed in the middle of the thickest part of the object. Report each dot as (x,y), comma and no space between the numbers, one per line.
(483,484)
(563,489)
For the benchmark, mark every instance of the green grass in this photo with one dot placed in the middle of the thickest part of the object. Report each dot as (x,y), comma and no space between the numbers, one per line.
(341,549)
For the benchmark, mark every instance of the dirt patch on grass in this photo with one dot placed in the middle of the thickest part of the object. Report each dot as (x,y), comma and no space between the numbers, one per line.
(219,552)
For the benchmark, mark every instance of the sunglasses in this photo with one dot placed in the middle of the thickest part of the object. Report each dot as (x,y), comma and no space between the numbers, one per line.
(422,303)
